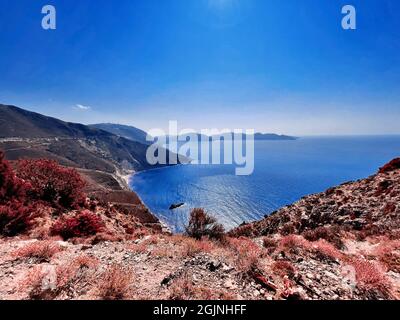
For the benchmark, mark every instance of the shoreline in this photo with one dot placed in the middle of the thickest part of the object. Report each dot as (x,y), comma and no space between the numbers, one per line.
(129,177)
(154,169)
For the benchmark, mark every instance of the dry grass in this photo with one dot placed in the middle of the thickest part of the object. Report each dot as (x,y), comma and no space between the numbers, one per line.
(326,250)
(284,268)
(145,245)
(189,247)
(140,248)
(75,274)
(115,283)
(163,252)
(391,262)
(33,279)
(322,248)
(270,245)
(388,253)
(184,289)
(192,247)
(152,240)
(246,254)
(40,251)
(386,246)
(330,234)
(369,276)
(39,283)
(85,261)
(293,242)
(66,275)
(175,246)
(47,283)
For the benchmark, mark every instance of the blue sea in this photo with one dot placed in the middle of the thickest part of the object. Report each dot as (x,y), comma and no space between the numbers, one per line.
(285,171)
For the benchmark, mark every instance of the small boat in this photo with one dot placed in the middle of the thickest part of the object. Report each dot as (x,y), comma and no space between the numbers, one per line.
(176,206)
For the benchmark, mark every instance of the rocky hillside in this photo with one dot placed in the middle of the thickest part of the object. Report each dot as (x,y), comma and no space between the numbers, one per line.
(368,206)
(127,132)
(25,134)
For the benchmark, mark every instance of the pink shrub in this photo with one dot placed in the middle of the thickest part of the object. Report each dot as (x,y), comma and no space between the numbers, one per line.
(11,188)
(293,242)
(53,183)
(41,251)
(246,254)
(115,282)
(326,249)
(369,276)
(15,215)
(330,234)
(83,224)
(16,218)
(391,166)
(201,224)
(270,244)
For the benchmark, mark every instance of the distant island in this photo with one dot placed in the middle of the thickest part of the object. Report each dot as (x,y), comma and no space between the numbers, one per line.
(138,135)
(257,136)
(273,136)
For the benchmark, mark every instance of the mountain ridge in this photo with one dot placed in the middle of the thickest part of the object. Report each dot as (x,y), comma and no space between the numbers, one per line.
(27,134)
(128,132)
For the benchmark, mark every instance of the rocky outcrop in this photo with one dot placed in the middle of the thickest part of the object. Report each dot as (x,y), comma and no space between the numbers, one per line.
(369,205)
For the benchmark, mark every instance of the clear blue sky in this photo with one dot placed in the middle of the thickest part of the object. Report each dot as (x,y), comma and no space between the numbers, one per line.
(272,65)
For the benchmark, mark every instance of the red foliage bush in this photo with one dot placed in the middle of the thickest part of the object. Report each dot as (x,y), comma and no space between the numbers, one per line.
(203,225)
(244,230)
(52,183)
(331,234)
(83,224)
(369,276)
(293,242)
(287,229)
(115,283)
(391,166)
(270,244)
(245,253)
(326,250)
(10,186)
(40,251)
(15,218)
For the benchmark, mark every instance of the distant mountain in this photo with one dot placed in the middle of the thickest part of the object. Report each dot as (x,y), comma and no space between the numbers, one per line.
(257,136)
(272,136)
(124,131)
(26,134)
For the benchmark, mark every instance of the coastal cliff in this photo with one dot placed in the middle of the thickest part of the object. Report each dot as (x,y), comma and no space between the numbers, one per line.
(367,206)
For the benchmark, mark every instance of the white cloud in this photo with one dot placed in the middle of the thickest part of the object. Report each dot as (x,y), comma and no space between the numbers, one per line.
(82,107)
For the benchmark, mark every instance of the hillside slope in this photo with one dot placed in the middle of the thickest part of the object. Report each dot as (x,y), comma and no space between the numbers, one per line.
(127,132)
(25,134)
(370,205)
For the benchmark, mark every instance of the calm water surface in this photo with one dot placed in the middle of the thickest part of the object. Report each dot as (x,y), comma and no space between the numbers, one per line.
(284,172)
